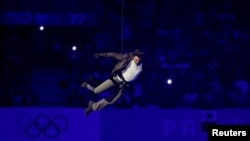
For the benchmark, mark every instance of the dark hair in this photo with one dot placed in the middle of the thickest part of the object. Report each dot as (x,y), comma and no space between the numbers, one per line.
(139,55)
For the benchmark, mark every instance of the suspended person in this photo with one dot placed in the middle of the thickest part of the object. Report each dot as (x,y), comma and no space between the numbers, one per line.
(127,69)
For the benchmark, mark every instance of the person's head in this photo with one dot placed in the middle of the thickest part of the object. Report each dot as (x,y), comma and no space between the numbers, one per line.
(138,56)
(137,59)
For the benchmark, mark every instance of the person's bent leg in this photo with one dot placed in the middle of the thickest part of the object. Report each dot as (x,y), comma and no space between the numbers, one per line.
(104,85)
(96,106)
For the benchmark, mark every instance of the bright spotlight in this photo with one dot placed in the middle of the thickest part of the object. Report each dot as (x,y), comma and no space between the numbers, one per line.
(169,81)
(41,28)
(74,48)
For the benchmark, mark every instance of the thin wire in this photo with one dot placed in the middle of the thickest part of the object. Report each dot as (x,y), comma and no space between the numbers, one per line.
(122,25)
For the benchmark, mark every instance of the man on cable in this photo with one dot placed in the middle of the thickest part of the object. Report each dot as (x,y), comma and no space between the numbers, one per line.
(127,69)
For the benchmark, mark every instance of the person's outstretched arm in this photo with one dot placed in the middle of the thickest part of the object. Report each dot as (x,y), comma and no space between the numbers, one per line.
(118,56)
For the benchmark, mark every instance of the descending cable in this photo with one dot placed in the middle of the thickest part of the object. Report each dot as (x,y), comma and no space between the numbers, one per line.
(122,26)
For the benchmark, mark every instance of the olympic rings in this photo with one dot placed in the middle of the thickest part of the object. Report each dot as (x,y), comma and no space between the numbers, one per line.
(43,124)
